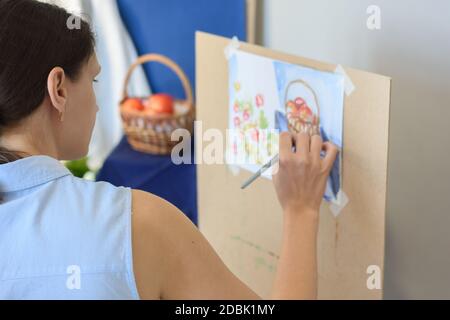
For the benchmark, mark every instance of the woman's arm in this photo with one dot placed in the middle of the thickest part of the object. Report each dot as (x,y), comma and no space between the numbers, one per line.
(173,260)
(300,184)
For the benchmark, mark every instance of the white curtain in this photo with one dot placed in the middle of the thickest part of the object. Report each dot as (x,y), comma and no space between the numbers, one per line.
(115,52)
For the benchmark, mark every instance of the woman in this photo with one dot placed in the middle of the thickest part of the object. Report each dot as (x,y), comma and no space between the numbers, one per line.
(66,238)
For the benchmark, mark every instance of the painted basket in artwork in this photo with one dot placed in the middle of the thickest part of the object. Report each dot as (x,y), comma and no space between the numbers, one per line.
(299,113)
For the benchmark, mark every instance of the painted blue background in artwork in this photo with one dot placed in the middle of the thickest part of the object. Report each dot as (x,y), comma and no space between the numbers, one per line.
(329,88)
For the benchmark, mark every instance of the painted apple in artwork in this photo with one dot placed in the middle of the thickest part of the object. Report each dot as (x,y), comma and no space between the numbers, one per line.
(299,112)
(290,105)
(161,103)
(133,104)
(305,113)
(300,109)
(293,109)
(299,102)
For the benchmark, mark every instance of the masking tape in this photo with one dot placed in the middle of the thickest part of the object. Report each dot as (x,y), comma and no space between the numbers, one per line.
(234,169)
(339,204)
(349,87)
(231,48)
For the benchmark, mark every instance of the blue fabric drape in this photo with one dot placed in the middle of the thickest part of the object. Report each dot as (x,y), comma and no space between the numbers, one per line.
(168,27)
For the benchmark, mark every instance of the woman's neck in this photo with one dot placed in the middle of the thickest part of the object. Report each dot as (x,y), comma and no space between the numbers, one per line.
(28,142)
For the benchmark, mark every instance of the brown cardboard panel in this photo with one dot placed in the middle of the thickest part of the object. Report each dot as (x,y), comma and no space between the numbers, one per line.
(244,226)
(251,20)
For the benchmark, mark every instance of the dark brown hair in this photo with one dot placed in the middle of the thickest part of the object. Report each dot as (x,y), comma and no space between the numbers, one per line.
(35,37)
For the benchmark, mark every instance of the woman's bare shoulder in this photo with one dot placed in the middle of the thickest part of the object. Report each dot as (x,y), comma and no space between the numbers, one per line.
(153,210)
(147,247)
(158,228)
(143,201)
(173,260)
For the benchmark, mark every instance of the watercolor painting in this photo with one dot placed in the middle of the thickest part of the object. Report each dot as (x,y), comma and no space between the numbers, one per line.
(252,140)
(267,97)
(309,98)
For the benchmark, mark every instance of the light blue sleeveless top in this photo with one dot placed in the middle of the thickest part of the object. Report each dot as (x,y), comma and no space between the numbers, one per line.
(62,237)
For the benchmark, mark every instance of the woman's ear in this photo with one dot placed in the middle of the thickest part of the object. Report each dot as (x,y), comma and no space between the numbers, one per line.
(57,90)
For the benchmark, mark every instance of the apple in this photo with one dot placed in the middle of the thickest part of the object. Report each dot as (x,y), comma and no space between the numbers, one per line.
(150,112)
(133,104)
(161,103)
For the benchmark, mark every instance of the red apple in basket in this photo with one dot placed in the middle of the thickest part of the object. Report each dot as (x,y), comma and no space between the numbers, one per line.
(161,103)
(133,104)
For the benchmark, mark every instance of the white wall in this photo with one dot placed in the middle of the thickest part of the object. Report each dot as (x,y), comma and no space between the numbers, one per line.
(413,47)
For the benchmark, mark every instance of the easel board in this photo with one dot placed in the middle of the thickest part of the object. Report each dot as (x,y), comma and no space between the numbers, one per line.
(245,226)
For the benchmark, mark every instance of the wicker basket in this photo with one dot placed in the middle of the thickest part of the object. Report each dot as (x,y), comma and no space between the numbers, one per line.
(295,124)
(151,133)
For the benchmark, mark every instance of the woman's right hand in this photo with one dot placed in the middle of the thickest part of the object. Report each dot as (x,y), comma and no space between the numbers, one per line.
(301,176)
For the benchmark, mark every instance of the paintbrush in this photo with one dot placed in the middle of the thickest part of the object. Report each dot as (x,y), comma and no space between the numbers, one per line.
(260,171)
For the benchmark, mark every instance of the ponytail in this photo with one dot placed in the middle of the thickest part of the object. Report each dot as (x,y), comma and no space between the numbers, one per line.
(8,155)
